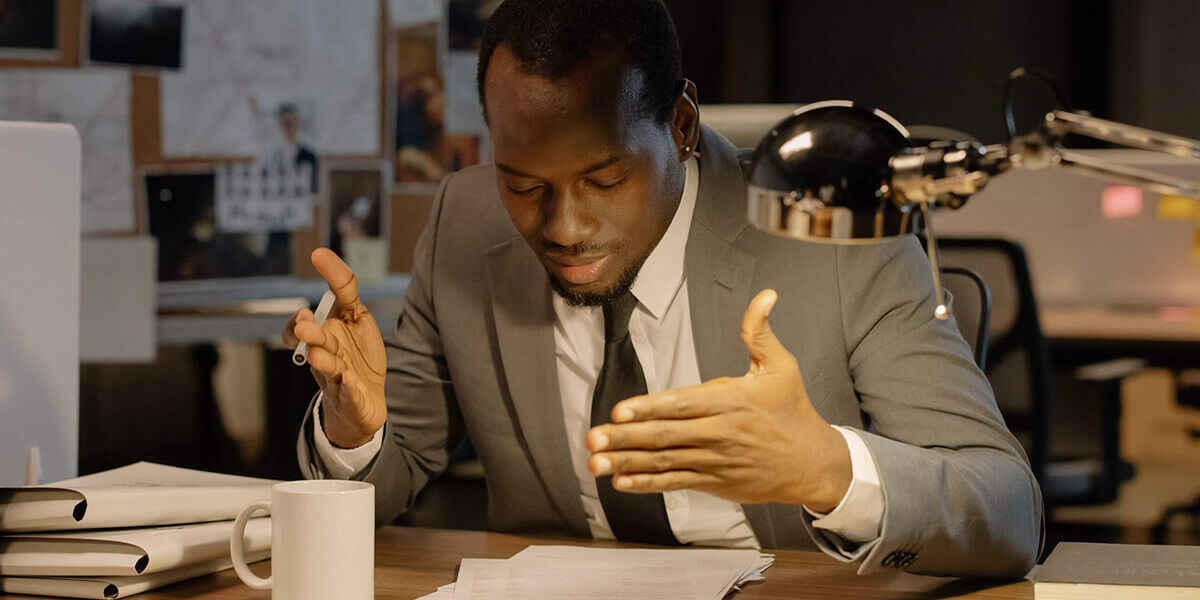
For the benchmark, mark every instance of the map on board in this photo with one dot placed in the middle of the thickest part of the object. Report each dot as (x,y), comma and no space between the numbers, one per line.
(97,104)
(236,51)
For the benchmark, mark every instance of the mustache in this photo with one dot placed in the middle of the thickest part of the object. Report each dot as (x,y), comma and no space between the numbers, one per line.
(582,248)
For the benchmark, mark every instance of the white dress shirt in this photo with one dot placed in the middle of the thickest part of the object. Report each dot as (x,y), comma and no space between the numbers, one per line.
(661,331)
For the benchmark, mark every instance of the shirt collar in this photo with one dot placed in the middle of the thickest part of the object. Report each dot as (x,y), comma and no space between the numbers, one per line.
(661,275)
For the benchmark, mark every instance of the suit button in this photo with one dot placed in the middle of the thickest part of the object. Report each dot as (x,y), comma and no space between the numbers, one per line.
(899,559)
(892,560)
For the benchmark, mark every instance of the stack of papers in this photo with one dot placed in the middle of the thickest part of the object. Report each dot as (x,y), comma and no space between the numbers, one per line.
(551,572)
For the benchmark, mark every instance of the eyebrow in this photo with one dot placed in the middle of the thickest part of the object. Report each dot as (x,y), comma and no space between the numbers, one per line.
(590,169)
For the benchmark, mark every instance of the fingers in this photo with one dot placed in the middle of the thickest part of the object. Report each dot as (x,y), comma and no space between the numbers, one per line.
(289,330)
(317,336)
(642,461)
(710,398)
(349,393)
(646,483)
(340,278)
(651,435)
(327,363)
(766,353)
(344,392)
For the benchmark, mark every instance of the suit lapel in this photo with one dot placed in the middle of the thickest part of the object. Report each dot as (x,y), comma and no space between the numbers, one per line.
(720,277)
(719,273)
(524,318)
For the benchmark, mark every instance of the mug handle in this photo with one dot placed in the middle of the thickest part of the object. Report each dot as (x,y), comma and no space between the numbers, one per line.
(237,550)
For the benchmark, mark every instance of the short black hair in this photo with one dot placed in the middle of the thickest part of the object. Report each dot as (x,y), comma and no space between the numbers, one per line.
(550,38)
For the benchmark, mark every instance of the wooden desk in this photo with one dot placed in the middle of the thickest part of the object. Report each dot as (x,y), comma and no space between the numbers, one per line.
(1101,323)
(412,562)
(1165,337)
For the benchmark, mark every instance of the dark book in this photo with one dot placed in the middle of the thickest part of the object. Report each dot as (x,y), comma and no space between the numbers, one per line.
(1078,571)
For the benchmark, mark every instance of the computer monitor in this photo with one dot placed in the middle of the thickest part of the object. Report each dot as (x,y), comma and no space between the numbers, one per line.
(39,299)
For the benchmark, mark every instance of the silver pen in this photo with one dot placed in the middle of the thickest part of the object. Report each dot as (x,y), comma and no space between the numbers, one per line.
(300,356)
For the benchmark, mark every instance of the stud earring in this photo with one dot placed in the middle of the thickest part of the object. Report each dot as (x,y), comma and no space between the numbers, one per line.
(687,149)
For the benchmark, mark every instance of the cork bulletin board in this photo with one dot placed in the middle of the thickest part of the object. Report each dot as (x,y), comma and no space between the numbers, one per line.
(409,203)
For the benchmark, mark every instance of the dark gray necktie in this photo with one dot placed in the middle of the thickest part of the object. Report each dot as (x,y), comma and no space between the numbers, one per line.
(638,518)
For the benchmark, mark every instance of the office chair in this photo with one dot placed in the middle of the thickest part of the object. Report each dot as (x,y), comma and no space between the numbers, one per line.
(971,307)
(1022,376)
(1019,355)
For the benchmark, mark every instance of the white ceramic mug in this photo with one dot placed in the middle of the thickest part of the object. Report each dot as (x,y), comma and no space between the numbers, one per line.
(322,541)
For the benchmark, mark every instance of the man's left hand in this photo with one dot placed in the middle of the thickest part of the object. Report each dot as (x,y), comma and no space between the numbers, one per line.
(750,439)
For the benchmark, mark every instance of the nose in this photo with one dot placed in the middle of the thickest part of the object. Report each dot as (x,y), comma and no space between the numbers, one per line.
(567,221)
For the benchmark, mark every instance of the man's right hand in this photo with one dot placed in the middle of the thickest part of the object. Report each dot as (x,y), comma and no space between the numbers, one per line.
(345,355)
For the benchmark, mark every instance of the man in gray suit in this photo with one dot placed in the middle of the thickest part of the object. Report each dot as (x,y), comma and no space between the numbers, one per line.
(567,303)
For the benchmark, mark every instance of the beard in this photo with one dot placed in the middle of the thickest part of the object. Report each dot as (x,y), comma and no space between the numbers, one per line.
(619,287)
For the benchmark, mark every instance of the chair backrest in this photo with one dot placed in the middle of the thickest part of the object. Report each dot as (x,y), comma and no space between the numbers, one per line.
(1018,358)
(971,305)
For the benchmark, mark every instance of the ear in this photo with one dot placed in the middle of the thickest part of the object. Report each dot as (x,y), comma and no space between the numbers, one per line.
(686,125)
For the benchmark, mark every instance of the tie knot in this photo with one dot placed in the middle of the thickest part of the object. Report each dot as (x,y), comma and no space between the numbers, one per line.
(616,317)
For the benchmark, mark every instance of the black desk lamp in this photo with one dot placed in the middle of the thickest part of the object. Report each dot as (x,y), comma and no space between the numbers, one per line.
(842,173)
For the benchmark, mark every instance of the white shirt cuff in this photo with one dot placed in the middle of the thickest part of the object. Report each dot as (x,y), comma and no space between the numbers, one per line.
(342,463)
(855,522)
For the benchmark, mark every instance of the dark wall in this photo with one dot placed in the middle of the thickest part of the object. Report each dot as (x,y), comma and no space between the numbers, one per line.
(944,62)
(934,62)
(1156,64)
(727,50)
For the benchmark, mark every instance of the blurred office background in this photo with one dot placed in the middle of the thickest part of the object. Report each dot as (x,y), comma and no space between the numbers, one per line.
(225,139)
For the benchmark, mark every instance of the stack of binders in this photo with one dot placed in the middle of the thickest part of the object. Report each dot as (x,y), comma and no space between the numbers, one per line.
(125,531)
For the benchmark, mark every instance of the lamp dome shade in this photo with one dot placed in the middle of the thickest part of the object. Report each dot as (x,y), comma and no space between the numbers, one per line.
(822,175)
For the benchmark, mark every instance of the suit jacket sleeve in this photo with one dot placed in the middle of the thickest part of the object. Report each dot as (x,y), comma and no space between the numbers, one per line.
(424,423)
(960,498)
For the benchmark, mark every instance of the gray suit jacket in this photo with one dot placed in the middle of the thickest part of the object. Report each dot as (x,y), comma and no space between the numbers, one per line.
(473,354)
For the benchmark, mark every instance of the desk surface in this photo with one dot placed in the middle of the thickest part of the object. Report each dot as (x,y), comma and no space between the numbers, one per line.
(1092,323)
(412,562)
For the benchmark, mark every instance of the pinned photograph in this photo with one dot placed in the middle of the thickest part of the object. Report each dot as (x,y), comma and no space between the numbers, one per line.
(141,33)
(29,29)
(425,152)
(355,229)
(182,215)
(466,21)
(277,191)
